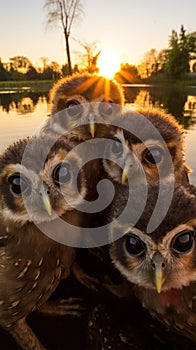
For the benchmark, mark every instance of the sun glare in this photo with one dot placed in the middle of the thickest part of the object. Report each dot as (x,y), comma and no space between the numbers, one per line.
(108,64)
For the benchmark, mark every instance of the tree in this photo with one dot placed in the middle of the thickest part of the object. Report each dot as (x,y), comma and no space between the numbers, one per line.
(56,70)
(128,74)
(4,74)
(181,48)
(20,64)
(88,59)
(65,12)
(44,62)
(32,74)
(152,63)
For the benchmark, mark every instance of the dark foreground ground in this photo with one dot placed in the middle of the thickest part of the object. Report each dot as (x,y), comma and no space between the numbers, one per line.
(106,324)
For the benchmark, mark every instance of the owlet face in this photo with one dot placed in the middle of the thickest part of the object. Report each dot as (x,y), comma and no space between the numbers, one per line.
(162,264)
(150,146)
(166,258)
(38,180)
(83,106)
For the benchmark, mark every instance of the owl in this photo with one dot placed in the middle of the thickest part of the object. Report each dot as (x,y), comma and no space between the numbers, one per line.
(148,146)
(82,106)
(161,265)
(36,178)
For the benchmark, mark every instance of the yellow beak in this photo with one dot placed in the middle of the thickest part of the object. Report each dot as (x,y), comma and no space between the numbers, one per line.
(46,200)
(159,279)
(125,174)
(92,129)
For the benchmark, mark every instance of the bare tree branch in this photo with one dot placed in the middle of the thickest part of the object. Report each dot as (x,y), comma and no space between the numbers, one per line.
(88,59)
(65,12)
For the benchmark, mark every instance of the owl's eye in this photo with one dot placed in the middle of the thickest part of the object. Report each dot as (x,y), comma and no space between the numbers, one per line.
(62,174)
(117,147)
(183,242)
(74,109)
(19,184)
(154,155)
(106,108)
(134,245)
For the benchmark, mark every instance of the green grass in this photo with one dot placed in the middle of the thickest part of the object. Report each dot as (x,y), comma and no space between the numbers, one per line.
(32,84)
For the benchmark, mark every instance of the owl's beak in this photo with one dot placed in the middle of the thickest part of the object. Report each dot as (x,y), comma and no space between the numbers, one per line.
(46,200)
(158,266)
(91,120)
(158,277)
(92,129)
(124,174)
(128,163)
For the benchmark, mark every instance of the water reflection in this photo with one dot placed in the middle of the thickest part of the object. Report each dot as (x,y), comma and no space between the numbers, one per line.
(21,103)
(20,115)
(178,102)
(22,112)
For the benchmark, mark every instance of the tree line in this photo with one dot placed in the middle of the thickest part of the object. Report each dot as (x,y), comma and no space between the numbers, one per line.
(172,63)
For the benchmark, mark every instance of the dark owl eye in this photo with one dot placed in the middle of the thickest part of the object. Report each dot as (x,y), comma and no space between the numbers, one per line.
(183,242)
(74,109)
(117,147)
(19,184)
(154,155)
(134,245)
(106,108)
(62,174)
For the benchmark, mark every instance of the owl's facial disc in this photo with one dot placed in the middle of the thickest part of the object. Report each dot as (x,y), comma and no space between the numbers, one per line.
(151,157)
(21,186)
(105,109)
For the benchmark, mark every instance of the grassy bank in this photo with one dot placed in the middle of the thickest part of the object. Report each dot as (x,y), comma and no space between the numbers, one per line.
(34,84)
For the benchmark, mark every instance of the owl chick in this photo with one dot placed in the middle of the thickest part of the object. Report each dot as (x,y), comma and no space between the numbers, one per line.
(83,105)
(36,177)
(161,265)
(149,146)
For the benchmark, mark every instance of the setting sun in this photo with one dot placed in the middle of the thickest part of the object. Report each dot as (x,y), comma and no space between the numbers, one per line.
(108,64)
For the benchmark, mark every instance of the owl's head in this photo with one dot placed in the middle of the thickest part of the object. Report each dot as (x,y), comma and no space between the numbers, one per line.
(148,146)
(164,259)
(83,105)
(40,179)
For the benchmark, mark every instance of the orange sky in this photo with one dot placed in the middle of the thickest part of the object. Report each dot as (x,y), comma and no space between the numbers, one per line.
(129,28)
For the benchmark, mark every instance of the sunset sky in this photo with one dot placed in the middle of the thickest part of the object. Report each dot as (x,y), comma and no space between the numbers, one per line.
(129,28)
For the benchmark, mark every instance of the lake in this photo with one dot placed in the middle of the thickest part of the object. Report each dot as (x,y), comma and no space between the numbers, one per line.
(22,111)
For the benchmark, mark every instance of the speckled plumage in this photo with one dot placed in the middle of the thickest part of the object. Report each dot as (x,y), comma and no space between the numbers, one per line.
(31,263)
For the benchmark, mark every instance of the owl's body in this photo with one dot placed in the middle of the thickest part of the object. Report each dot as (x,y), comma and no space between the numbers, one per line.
(161,264)
(148,147)
(32,266)
(36,178)
(82,107)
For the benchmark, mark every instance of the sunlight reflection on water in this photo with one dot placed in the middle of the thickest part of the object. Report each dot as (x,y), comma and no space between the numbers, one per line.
(15,125)
(20,122)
